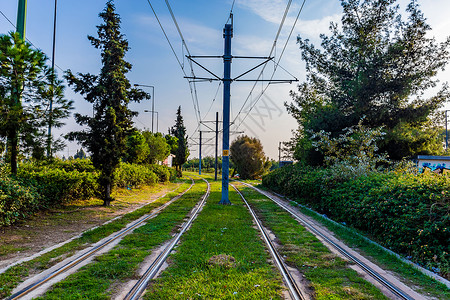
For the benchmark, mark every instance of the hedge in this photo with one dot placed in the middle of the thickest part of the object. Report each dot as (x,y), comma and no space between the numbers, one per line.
(45,185)
(407,213)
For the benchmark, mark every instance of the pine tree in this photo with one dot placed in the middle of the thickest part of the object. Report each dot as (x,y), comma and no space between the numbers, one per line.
(25,89)
(182,152)
(110,93)
(375,65)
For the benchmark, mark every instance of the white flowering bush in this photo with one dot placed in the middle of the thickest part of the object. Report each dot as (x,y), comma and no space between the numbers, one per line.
(353,153)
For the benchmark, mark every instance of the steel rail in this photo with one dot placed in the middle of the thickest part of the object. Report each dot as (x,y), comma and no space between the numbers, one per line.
(95,249)
(140,286)
(294,290)
(378,277)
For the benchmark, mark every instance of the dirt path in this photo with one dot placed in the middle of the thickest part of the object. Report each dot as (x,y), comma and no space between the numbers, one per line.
(49,228)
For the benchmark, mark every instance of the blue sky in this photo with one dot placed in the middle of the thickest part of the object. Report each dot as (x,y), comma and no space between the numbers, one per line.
(201,22)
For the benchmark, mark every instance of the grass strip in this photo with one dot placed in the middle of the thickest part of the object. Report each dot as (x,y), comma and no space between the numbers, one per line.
(220,257)
(328,274)
(16,274)
(96,280)
(388,261)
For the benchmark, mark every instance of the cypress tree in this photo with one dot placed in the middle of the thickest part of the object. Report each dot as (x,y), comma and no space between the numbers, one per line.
(110,92)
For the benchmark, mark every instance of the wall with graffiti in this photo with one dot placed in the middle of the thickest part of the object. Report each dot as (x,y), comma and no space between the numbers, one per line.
(433,163)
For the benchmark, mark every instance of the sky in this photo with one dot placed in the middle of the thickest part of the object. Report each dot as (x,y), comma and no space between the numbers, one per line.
(201,22)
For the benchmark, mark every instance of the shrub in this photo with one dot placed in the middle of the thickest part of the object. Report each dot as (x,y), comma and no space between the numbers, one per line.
(162,172)
(405,212)
(58,186)
(133,175)
(16,200)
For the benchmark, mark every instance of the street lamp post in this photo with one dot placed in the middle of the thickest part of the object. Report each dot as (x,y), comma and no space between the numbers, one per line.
(157,118)
(153,99)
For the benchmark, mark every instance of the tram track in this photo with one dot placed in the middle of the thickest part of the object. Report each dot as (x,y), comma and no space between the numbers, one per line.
(295,292)
(139,287)
(94,250)
(366,268)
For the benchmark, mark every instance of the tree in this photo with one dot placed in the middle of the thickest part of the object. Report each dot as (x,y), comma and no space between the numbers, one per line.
(158,147)
(374,65)
(182,151)
(110,93)
(25,91)
(248,157)
(137,148)
(80,154)
(172,142)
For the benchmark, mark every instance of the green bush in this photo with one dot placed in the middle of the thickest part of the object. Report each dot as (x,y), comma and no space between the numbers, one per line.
(16,200)
(162,172)
(58,186)
(404,212)
(133,175)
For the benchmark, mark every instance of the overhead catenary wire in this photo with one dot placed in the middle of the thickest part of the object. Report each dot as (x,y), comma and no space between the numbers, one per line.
(28,40)
(277,64)
(178,60)
(183,41)
(286,11)
(231,12)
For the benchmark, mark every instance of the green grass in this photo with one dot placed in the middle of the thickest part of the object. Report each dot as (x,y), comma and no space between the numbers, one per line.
(195,270)
(16,274)
(413,277)
(94,280)
(329,275)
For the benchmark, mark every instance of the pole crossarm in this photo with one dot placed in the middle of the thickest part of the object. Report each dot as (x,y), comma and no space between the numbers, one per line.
(264,62)
(270,80)
(198,64)
(200,79)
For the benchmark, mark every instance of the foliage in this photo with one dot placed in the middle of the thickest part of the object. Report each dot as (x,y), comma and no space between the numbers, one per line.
(351,154)
(248,157)
(134,175)
(60,186)
(164,173)
(27,85)
(137,148)
(405,212)
(172,142)
(80,154)
(110,93)
(159,149)
(374,64)
(181,152)
(208,163)
(17,200)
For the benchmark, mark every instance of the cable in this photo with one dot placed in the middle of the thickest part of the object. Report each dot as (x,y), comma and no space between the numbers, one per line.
(213,100)
(25,37)
(183,41)
(270,54)
(277,64)
(178,60)
(231,12)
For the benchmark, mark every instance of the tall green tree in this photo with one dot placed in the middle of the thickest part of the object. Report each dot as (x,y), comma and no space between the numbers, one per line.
(248,157)
(137,148)
(378,65)
(25,92)
(182,151)
(158,147)
(110,93)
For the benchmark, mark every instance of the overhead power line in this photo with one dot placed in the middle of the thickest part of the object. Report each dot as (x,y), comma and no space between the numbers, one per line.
(272,50)
(183,41)
(277,64)
(179,63)
(12,24)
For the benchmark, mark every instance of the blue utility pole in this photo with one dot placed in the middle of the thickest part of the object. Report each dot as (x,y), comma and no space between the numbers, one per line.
(227,34)
(227,57)
(200,155)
